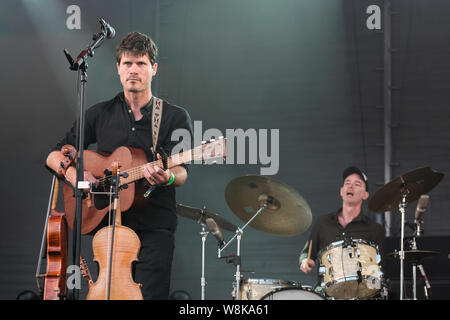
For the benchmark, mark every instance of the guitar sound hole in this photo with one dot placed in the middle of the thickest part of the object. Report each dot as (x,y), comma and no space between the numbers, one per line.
(101,201)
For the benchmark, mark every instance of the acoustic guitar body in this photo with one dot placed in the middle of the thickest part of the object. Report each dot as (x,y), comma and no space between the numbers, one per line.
(94,210)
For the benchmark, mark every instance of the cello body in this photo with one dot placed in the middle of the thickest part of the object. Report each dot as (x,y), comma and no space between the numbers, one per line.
(115,249)
(125,251)
(55,277)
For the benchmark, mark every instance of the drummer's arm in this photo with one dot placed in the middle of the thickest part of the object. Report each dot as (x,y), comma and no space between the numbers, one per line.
(306,265)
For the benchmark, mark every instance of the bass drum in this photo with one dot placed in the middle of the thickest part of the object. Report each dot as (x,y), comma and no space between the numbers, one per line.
(293,293)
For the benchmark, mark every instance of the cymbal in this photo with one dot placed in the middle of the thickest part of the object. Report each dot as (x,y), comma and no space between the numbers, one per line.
(415,255)
(286,214)
(415,183)
(201,215)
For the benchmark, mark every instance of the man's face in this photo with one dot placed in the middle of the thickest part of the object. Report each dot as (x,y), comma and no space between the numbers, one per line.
(136,72)
(354,190)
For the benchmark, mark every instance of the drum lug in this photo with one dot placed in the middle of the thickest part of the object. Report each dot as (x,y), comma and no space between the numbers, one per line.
(322,270)
(378,257)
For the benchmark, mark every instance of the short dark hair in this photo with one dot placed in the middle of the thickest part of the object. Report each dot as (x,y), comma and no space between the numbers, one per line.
(139,44)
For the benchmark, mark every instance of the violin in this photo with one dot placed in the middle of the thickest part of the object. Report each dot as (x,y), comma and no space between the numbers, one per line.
(115,248)
(55,277)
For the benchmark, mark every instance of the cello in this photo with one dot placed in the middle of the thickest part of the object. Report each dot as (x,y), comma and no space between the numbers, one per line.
(55,277)
(115,248)
(55,232)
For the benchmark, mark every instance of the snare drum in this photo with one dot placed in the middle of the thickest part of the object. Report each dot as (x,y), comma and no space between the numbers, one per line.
(350,269)
(303,293)
(255,289)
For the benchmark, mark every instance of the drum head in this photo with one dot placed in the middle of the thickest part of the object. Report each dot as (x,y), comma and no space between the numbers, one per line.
(292,294)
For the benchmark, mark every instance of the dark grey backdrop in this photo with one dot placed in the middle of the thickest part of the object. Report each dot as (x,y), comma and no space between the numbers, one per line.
(307,68)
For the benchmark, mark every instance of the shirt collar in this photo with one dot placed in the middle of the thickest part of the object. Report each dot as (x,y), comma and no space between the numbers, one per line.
(360,217)
(147,108)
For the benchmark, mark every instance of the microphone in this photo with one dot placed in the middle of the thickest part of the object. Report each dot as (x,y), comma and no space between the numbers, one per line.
(110,32)
(215,230)
(422,205)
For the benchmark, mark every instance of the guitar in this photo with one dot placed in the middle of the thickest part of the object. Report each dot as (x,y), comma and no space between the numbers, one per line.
(95,207)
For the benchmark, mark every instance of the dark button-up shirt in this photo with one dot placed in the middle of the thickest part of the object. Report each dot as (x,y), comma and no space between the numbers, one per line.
(111,124)
(327,230)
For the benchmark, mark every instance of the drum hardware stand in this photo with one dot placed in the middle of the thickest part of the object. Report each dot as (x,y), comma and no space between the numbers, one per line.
(238,235)
(401,207)
(415,265)
(203,234)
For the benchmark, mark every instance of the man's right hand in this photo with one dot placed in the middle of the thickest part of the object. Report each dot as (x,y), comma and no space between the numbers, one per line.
(307,265)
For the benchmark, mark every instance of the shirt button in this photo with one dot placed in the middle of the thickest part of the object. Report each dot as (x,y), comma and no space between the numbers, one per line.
(133,129)
(129,110)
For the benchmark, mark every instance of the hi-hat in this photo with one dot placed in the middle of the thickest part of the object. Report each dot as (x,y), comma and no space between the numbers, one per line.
(286,212)
(415,256)
(200,215)
(414,184)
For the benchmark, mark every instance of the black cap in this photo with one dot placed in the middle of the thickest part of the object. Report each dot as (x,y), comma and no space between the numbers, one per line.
(359,172)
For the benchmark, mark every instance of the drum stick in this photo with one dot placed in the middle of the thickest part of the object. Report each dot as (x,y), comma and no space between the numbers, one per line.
(309,250)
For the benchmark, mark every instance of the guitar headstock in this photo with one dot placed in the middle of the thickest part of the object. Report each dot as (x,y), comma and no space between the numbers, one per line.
(213,151)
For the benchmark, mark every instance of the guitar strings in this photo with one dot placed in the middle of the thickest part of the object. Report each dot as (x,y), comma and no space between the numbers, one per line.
(136,172)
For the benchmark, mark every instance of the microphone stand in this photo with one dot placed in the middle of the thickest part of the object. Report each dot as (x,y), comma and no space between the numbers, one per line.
(418,232)
(238,235)
(80,65)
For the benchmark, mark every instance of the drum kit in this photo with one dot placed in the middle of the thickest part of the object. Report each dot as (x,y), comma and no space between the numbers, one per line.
(348,269)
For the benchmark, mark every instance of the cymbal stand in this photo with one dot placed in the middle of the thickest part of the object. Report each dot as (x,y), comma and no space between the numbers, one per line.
(238,235)
(203,234)
(414,268)
(401,207)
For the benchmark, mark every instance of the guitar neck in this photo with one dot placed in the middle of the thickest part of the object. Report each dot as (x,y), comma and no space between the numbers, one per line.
(136,173)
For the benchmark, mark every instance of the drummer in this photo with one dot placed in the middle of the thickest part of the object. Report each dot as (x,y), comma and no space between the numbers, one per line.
(349,222)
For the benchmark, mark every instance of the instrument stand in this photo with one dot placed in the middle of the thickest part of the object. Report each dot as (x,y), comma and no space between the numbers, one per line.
(80,65)
(203,234)
(115,194)
(416,264)
(238,235)
(414,270)
(402,206)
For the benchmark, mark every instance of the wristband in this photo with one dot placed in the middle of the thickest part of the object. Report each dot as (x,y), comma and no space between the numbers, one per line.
(171,180)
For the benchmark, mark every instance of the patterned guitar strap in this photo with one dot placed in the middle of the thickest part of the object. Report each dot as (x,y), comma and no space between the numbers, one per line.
(156,121)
